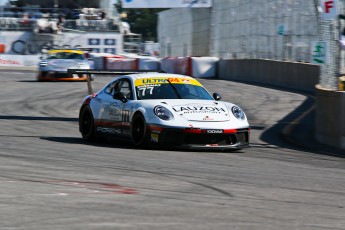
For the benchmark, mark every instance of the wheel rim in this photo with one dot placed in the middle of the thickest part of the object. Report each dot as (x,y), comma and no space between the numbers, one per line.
(138,131)
(86,123)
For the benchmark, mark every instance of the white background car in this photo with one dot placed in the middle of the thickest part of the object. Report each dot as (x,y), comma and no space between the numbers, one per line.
(163,109)
(53,67)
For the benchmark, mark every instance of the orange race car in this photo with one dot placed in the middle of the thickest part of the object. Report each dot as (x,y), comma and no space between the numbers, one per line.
(54,66)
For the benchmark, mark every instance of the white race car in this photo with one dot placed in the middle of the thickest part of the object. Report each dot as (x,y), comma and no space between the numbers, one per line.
(163,109)
(54,66)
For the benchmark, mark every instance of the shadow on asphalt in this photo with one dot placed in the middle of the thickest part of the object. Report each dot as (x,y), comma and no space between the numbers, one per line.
(31,118)
(302,129)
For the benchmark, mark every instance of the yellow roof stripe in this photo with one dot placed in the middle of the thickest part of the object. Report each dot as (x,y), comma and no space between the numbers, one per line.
(65,51)
(164,80)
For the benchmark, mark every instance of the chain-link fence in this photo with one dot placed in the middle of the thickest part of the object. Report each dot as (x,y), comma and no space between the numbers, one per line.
(276,29)
(268,29)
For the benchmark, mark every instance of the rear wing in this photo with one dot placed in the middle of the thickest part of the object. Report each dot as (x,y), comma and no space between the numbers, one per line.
(89,72)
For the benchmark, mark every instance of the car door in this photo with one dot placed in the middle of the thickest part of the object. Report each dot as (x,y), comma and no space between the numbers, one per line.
(114,115)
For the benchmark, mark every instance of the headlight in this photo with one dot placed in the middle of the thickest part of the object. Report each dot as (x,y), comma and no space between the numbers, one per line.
(238,112)
(163,113)
(43,63)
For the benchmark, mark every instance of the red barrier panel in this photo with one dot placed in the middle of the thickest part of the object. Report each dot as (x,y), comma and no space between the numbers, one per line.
(183,65)
(2,48)
(105,59)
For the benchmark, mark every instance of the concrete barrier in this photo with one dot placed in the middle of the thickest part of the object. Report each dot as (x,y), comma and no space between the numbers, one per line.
(121,64)
(100,59)
(19,60)
(330,117)
(330,105)
(293,75)
(204,67)
(200,67)
(168,64)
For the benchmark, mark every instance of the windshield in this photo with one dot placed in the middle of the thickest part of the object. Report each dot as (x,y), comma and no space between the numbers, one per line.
(172,90)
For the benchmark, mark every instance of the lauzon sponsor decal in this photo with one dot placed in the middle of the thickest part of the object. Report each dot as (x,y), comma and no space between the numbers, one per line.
(198,109)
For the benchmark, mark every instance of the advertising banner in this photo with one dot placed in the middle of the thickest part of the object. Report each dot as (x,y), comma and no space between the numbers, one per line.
(319,52)
(329,10)
(25,43)
(166,3)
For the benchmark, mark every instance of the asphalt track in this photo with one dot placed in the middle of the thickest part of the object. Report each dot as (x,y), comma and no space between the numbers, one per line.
(51,179)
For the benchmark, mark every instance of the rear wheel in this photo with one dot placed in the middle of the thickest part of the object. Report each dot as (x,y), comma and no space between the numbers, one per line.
(86,124)
(139,130)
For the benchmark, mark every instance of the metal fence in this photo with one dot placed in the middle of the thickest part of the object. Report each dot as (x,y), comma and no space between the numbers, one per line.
(269,29)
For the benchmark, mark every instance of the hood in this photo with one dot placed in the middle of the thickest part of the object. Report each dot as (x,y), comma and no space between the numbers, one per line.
(63,63)
(202,110)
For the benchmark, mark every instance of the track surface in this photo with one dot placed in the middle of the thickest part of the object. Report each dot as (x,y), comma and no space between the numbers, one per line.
(51,179)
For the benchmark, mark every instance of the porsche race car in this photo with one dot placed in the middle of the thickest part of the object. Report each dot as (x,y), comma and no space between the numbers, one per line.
(56,63)
(163,109)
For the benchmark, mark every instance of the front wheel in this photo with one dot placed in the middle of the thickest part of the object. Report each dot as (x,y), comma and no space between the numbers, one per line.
(86,124)
(139,130)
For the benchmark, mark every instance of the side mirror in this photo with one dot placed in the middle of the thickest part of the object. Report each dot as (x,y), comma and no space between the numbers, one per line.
(120,96)
(217,96)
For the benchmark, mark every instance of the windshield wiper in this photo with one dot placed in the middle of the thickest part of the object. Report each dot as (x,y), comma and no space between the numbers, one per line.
(174,88)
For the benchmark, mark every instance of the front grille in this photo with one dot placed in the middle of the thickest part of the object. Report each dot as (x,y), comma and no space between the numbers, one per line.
(204,139)
(178,137)
(61,75)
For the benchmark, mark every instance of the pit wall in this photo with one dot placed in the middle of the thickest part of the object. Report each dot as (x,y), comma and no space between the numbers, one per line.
(330,105)
(291,75)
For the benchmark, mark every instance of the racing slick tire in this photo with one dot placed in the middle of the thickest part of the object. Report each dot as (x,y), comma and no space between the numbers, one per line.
(139,130)
(86,124)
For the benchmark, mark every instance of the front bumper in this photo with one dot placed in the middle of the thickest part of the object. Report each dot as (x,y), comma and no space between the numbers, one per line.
(52,75)
(222,139)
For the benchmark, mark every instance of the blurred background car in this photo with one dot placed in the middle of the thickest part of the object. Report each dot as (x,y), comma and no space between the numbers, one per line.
(53,67)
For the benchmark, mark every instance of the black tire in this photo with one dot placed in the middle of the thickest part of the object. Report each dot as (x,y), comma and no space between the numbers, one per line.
(86,124)
(139,130)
